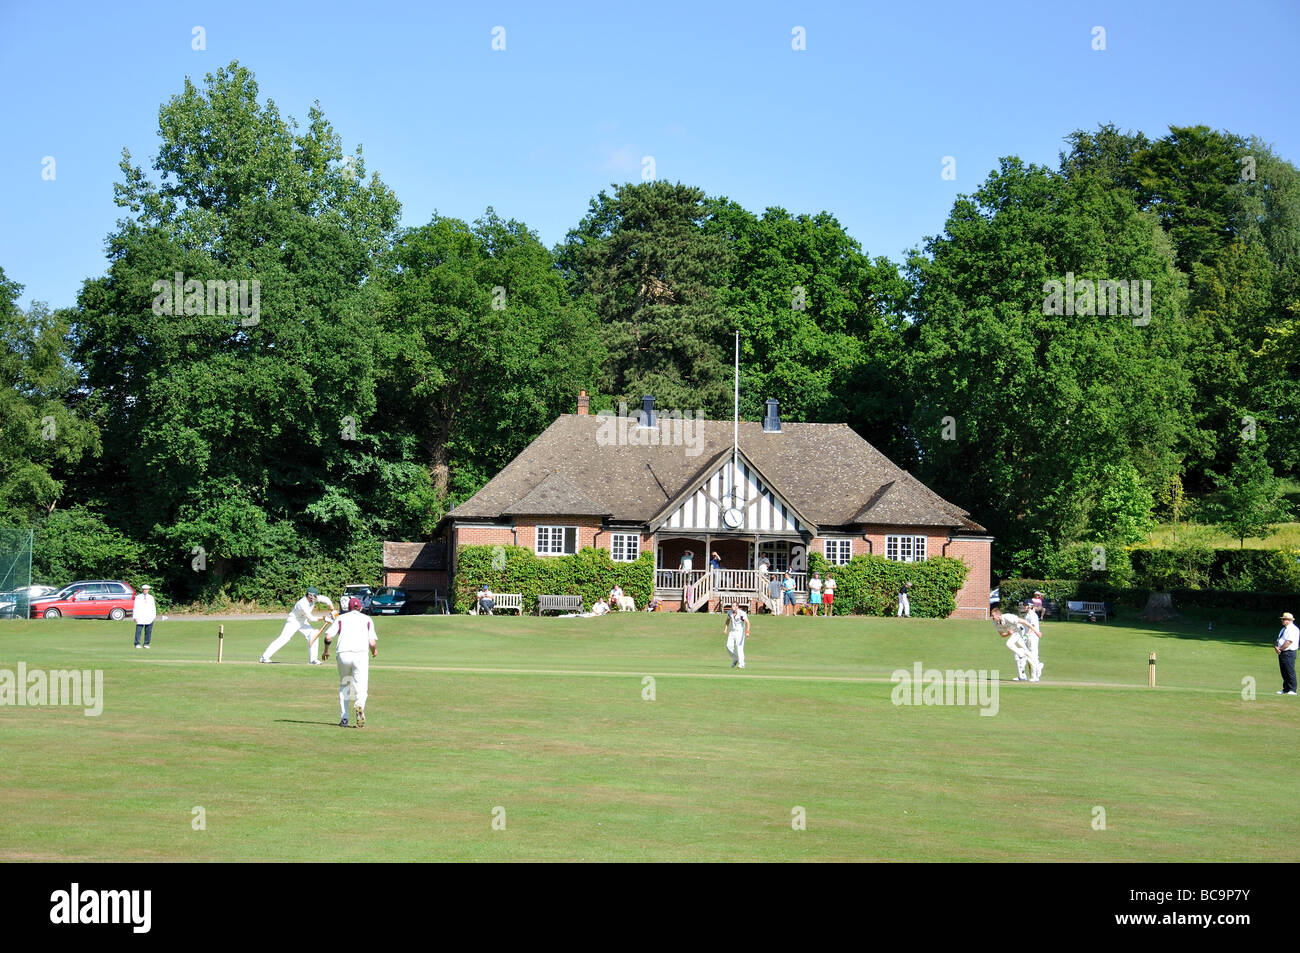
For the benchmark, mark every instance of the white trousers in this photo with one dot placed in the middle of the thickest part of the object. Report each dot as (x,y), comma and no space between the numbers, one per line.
(736,649)
(354,675)
(1021,651)
(1031,644)
(904,606)
(290,627)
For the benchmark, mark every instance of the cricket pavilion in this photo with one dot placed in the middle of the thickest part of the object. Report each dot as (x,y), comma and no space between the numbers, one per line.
(671,483)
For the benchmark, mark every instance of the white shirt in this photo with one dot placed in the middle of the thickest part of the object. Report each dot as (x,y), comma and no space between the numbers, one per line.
(354,631)
(144,610)
(830,585)
(600,608)
(615,593)
(814,585)
(1289,634)
(301,611)
(1030,623)
(736,623)
(686,564)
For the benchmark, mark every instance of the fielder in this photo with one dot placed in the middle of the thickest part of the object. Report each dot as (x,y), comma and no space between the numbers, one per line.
(355,633)
(736,625)
(1031,632)
(300,620)
(1010,628)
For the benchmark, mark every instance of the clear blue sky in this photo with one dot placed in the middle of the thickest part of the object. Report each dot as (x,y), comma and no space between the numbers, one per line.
(856,124)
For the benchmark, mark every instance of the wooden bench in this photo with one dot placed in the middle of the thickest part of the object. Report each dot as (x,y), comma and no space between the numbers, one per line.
(504,602)
(559,604)
(1087,609)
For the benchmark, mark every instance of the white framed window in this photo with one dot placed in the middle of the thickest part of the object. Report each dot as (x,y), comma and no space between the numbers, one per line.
(624,547)
(557,540)
(905,549)
(777,553)
(839,551)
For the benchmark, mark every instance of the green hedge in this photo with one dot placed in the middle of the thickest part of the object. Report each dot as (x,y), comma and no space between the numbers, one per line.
(868,585)
(1235,570)
(590,574)
(1014,591)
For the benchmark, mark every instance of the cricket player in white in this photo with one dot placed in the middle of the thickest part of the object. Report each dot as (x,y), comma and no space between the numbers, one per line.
(1010,628)
(1031,631)
(300,620)
(356,635)
(736,625)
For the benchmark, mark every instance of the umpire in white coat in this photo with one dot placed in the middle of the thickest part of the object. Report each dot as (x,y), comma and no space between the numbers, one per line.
(356,634)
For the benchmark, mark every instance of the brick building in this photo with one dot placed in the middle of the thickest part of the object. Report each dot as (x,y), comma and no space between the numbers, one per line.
(669,483)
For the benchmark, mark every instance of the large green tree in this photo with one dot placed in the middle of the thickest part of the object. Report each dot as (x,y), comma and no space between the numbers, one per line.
(652,269)
(483,347)
(1021,404)
(819,320)
(44,431)
(219,424)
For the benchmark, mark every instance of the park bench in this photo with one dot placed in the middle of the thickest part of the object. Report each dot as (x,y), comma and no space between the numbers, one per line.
(1089,610)
(505,602)
(559,604)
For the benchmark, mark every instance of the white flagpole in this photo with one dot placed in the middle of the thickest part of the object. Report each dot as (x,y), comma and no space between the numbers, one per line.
(735,428)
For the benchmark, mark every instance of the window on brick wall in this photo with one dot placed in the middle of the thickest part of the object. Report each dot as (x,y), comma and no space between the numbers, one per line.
(839,551)
(624,547)
(557,540)
(905,549)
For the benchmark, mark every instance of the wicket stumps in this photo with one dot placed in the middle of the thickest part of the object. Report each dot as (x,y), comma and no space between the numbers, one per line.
(221,640)
(1151,670)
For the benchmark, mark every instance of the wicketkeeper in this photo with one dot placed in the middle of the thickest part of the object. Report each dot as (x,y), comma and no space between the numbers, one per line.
(356,634)
(301,620)
(1009,627)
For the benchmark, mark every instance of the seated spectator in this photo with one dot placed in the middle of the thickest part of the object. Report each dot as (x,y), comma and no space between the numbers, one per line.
(486,601)
(615,594)
(600,608)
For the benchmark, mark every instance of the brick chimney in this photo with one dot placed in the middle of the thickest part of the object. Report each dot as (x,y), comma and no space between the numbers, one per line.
(584,404)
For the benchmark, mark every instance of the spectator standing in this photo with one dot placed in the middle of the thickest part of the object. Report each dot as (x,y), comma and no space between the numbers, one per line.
(828,594)
(904,604)
(815,593)
(787,593)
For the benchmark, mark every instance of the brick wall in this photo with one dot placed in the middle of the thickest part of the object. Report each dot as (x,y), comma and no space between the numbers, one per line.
(973,599)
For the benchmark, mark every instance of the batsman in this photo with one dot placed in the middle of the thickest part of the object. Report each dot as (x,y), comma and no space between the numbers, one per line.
(356,634)
(300,620)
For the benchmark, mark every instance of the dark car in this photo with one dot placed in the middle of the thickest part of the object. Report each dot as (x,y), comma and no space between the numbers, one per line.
(388,601)
(88,599)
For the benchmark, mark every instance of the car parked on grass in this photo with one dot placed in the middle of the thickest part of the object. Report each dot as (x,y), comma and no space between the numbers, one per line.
(388,601)
(86,599)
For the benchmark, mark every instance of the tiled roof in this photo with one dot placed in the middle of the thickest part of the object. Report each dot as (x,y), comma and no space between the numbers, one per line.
(597,465)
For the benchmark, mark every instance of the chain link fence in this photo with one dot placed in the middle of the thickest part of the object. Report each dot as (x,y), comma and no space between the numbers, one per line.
(15,572)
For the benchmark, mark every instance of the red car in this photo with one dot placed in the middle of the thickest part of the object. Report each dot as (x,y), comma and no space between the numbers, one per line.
(93,599)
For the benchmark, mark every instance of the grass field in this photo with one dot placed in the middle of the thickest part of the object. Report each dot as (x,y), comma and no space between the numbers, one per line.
(546,720)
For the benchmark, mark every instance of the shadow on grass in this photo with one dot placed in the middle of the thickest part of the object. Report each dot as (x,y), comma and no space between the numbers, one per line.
(1202,625)
(294,721)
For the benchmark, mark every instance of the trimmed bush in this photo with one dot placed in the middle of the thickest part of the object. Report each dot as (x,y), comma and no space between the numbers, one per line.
(1231,570)
(868,585)
(590,573)
(1014,591)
